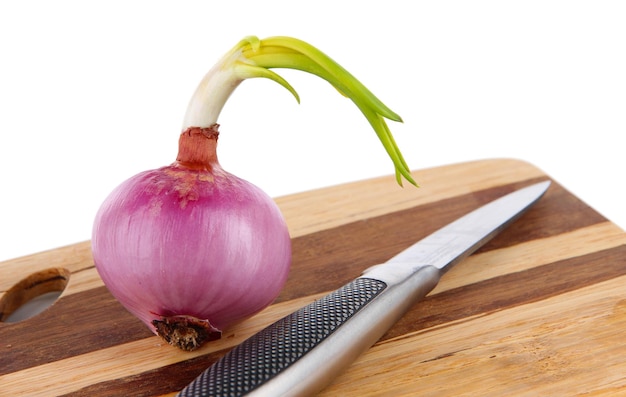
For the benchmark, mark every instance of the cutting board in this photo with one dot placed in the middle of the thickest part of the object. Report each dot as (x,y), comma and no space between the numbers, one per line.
(539,310)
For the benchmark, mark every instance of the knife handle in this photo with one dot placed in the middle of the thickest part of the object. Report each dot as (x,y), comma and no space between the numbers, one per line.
(303,352)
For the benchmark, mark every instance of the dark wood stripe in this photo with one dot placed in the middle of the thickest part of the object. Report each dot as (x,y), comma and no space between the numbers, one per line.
(484,297)
(513,289)
(78,324)
(322,261)
(556,213)
(160,381)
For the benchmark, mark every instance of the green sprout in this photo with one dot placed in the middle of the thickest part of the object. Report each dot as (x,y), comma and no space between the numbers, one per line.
(253,57)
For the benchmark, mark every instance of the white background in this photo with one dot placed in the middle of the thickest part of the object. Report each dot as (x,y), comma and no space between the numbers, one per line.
(92,92)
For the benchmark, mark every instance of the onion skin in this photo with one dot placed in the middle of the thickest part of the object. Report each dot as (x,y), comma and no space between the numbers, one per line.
(189,248)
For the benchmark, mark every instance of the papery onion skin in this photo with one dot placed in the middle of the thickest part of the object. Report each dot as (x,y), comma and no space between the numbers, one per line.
(191,240)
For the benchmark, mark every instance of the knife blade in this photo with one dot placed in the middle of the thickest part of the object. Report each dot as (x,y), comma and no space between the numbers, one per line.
(303,352)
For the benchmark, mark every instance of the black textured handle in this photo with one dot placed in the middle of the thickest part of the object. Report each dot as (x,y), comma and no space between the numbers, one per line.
(263,356)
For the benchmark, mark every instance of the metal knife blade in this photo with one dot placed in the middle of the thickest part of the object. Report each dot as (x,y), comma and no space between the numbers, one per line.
(303,352)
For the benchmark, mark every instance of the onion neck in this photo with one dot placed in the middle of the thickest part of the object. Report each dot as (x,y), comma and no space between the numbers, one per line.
(197,147)
(213,91)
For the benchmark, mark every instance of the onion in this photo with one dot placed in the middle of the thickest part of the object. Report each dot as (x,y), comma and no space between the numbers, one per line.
(191,249)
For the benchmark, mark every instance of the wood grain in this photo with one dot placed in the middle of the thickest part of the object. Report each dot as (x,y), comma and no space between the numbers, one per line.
(535,311)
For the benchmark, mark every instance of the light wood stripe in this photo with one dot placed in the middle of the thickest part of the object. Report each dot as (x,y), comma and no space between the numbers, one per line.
(334,206)
(73,258)
(486,265)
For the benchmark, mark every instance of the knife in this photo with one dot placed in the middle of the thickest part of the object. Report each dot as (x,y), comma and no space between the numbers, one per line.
(303,352)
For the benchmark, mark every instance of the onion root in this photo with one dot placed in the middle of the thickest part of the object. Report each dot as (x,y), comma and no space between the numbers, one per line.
(186,332)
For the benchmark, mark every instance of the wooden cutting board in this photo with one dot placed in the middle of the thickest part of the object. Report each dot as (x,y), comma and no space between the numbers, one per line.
(539,310)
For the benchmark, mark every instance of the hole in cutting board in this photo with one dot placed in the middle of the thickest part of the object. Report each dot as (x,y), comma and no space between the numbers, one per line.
(33,294)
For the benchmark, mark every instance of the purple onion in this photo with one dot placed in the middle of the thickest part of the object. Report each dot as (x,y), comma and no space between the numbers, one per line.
(189,248)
